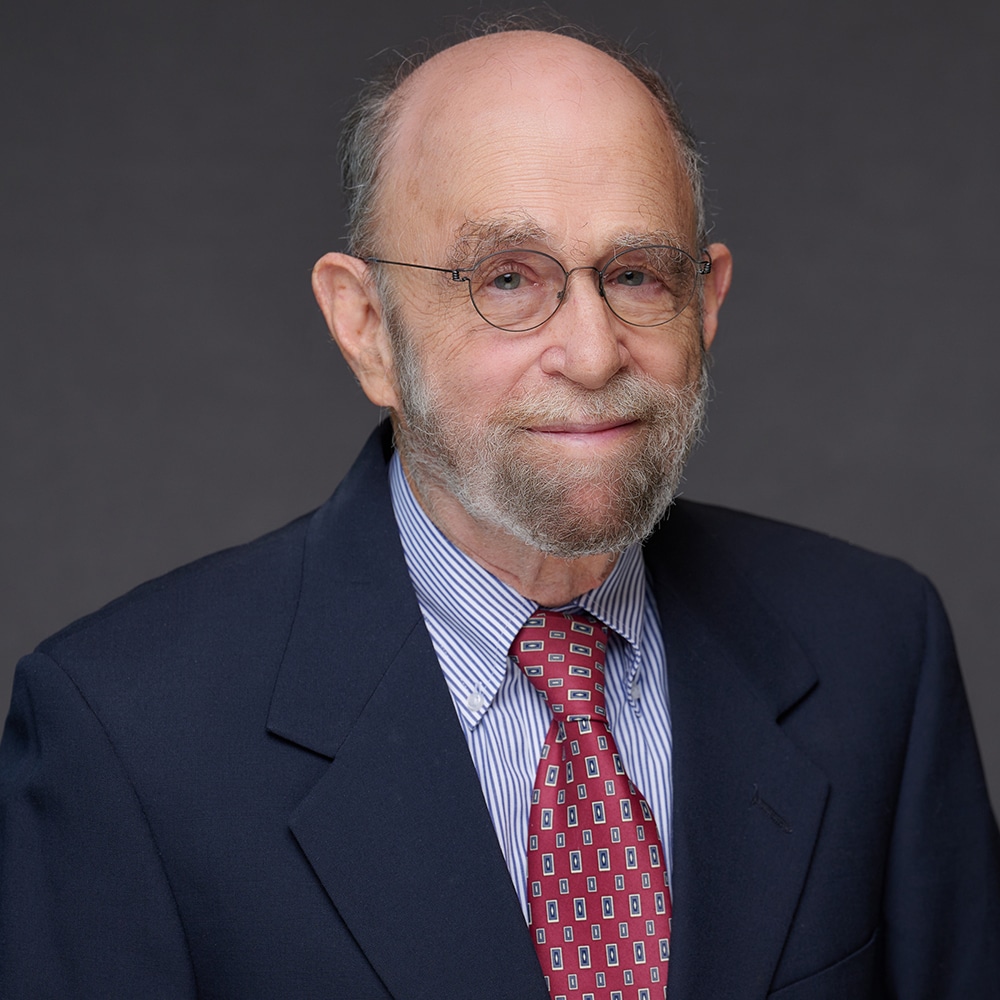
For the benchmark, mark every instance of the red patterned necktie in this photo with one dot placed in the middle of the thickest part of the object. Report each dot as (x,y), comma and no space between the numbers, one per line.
(598,894)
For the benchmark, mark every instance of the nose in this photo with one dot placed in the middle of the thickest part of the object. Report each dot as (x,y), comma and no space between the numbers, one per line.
(585,337)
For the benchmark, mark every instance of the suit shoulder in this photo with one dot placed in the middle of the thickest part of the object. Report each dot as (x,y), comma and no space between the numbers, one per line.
(763,540)
(790,567)
(860,618)
(221,594)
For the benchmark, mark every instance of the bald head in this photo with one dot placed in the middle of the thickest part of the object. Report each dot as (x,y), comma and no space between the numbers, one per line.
(509,74)
(523,86)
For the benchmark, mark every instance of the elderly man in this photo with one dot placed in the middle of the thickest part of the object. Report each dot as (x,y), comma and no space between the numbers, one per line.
(483,726)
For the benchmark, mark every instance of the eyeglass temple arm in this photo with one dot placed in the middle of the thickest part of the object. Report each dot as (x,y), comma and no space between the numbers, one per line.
(704,266)
(455,272)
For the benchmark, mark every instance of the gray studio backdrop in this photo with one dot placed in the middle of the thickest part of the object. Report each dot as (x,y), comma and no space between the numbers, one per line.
(168,179)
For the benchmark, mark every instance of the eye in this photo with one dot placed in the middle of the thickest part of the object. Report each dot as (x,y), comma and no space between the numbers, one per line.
(652,270)
(630,277)
(507,281)
(634,275)
(507,273)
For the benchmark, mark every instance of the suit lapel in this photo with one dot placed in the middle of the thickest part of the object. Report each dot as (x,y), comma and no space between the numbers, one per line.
(397,829)
(748,804)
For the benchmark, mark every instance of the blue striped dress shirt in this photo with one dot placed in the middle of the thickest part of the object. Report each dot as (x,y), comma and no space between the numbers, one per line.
(473,617)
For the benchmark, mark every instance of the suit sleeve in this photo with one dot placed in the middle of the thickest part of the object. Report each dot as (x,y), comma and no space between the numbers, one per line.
(942,901)
(86,910)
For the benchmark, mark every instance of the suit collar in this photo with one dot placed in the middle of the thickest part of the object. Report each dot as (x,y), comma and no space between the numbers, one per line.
(352,567)
(695,575)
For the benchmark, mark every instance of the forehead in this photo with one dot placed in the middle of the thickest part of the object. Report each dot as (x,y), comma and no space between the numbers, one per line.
(529,126)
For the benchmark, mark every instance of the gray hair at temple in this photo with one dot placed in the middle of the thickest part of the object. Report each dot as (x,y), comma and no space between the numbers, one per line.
(369,125)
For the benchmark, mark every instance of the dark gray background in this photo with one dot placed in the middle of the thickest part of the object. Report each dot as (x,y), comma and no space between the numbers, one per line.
(168,179)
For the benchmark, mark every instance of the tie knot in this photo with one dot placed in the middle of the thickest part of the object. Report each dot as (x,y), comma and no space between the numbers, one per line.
(563,657)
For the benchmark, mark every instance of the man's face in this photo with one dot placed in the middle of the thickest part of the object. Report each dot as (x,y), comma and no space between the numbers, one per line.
(571,436)
(565,504)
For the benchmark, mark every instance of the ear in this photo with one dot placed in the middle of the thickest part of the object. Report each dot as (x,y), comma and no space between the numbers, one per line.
(347,298)
(716,286)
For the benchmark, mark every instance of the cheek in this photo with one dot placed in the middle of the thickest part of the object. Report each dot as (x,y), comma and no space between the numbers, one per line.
(468,366)
(671,355)
(476,372)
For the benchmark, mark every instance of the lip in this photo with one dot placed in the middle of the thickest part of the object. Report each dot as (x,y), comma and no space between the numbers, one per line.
(589,432)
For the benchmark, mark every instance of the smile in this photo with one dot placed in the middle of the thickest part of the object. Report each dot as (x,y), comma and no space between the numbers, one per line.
(607,430)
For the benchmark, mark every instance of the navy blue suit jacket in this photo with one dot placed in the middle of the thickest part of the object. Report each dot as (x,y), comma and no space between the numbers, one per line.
(247,780)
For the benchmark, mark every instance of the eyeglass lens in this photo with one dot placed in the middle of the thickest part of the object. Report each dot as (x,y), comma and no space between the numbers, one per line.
(519,290)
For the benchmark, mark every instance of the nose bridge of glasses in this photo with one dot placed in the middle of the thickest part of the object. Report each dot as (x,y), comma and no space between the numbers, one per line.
(568,273)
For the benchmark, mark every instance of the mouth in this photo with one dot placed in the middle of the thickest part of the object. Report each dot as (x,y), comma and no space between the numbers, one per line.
(589,433)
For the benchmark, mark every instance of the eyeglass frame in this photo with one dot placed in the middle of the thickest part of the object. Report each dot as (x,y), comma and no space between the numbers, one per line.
(702,268)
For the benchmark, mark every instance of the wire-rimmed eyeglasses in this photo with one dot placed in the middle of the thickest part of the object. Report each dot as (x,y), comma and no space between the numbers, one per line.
(519,290)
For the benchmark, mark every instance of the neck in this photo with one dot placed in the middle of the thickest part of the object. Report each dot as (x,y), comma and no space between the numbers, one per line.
(548,580)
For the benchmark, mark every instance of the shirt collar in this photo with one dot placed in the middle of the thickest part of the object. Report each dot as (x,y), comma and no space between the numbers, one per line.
(483,614)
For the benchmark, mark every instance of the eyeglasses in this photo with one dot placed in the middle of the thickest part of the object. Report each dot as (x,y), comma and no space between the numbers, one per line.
(519,290)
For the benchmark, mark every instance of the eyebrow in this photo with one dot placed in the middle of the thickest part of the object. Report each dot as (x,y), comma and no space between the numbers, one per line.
(478,238)
(653,237)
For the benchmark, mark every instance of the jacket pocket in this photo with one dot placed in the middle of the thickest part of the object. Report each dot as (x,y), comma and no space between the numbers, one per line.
(859,976)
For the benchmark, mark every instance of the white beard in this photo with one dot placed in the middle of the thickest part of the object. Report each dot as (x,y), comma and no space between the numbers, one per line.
(503,477)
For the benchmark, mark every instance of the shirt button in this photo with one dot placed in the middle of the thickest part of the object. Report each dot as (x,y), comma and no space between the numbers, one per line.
(474,701)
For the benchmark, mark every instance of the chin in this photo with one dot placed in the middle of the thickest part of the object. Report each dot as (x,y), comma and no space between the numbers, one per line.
(585,520)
